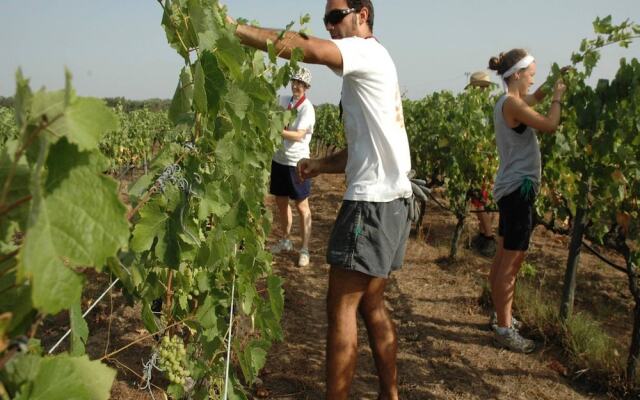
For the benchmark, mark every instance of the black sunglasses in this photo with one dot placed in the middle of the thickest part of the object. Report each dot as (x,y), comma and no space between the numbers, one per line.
(334,17)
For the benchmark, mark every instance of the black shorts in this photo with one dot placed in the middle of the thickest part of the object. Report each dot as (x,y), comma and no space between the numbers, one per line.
(284,183)
(516,220)
(370,238)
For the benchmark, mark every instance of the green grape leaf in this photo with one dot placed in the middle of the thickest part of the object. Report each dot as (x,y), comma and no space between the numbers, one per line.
(296,54)
(181,104)
(168,248)
(59,168)
(258,358)
(79,330)
(230,52)
(235,390)
(126,275)
(85,121)
(206,315)
(81,222)
(139,187)
(15,221)
(305,19)
(214,202)
(602,25)
(21,369)
(151,225)
(252,359)
(199,92)
(276,295)
(47,107)
(204,23)
(22,100)
(202,282)
(64,377)
(238,101)
(247,295)
(148,319)
(215,82)
(258,63)
(272,52)
(175,391)
(171,31)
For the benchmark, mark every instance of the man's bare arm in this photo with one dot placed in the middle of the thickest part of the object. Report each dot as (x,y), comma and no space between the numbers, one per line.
(315,50)
(335,163)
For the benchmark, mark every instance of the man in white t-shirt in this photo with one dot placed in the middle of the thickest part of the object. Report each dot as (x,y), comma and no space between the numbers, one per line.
(370,234)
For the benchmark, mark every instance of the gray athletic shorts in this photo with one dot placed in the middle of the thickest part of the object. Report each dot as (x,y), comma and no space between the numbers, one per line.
(370,237)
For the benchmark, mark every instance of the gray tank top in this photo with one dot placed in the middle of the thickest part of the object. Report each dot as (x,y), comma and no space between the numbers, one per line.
(519,155)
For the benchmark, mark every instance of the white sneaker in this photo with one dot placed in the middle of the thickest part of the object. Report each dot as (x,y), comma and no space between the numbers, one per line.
(284,245)
(512,340)
(303,261)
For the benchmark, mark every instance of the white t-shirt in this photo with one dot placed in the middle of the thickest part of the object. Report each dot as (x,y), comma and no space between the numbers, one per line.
(378,147)
(291,151)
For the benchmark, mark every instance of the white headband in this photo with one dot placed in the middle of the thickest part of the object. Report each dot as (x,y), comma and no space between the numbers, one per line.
(522,64)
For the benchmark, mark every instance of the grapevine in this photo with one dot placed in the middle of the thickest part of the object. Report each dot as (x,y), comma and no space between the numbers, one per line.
(194,226)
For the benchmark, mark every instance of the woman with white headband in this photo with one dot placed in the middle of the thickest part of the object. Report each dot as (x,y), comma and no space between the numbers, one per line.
(517,182)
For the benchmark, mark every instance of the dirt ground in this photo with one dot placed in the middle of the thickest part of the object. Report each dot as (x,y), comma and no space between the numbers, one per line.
(445,345)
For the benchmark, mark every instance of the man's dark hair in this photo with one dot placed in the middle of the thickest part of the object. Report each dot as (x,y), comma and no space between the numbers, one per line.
(359,5)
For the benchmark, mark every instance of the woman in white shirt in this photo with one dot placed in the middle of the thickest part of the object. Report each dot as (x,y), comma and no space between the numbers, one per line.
(284,183)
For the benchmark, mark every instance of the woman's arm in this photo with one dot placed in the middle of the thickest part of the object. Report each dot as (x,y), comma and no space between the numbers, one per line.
(541,93)
(295,136)
(536,97)
(519,111)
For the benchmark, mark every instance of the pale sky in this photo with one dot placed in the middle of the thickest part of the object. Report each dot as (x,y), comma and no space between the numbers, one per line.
(118,48)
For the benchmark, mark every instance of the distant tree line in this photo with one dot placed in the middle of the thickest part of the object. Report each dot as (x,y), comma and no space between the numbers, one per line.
(128,105)
(6,101)
(132,105)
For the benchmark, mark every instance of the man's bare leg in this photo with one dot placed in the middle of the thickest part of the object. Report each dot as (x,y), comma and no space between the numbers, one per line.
(382,337)
(346,289)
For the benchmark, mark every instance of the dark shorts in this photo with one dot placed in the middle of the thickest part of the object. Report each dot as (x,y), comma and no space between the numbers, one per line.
(516,220)
(370,238)
(284,183)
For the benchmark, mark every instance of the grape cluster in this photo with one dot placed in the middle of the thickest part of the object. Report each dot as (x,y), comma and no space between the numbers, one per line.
(192,285)
(173,359)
